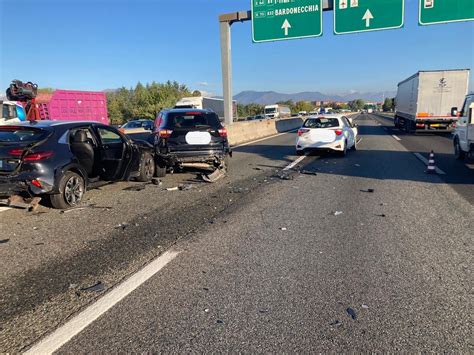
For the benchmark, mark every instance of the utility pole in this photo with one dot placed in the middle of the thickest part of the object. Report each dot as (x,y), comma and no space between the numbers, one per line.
(225,23)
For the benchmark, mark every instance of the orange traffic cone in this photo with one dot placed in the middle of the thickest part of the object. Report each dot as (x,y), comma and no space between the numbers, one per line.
(431,169)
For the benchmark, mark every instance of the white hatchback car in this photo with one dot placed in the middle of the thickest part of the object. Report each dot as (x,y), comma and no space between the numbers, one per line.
(329,133)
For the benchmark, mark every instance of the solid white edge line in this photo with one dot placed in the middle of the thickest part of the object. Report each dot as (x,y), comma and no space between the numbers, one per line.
(396,138)
(296,162)
(78,323)
(265,138)
(425,161)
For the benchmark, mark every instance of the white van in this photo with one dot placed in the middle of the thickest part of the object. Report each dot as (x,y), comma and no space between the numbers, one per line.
(463,136)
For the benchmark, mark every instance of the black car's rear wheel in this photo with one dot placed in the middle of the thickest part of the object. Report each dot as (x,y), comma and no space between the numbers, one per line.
(71,191)
(147,167)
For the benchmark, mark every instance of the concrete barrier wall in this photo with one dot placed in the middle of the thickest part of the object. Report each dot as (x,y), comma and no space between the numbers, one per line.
(242,132)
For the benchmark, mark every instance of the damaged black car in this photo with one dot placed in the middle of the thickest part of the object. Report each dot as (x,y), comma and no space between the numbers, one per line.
(190,137)
(62,160)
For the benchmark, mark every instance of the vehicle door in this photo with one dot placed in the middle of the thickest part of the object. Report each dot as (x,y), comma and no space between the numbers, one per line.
(347,127)
(462,124)
(115,153)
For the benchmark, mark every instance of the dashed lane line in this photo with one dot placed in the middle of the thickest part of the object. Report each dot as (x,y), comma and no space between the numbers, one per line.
(396,138)
(296,162)
(66,332)
(425,161)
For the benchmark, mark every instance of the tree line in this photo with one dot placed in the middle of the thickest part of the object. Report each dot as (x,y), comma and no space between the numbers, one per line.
(144,101)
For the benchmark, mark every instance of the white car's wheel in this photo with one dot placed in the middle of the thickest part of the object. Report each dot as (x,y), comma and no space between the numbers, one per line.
(343,152)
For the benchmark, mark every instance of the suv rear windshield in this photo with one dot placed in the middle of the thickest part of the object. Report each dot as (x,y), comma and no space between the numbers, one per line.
(192,120)
(323,122)
(21,134)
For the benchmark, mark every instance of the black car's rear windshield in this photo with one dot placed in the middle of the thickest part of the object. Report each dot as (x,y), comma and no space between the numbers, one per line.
(192,119)
(321,122)
(21,134)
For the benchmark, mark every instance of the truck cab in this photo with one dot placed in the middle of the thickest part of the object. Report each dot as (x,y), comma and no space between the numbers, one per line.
(463,139)
(11,112)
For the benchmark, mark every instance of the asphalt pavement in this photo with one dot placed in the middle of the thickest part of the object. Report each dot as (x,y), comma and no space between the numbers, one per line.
(363,253)
(458,174)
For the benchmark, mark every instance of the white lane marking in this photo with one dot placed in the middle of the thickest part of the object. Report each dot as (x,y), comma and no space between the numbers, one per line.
(360,140)
(396,138)
(263,139)
(63,334)
(296,162)
(425,161)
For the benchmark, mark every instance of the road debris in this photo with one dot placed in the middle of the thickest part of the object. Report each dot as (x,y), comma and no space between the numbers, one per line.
(380,215)
(156,181)
(122,226)
(357,165)
(84,208)
(214,176)
(338,213)
(97,287)
(308,172)
(176,188)
(219,321)
(206,310)
(15,201)
(135,188)
(364,306)
(283,229)
(336,323)
(352,313)
(257,168)
(185,187)
(4,241)
(368,190)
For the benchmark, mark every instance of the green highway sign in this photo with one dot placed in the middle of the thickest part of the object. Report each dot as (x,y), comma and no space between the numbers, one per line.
(276,20)
(444,11)
(352,16)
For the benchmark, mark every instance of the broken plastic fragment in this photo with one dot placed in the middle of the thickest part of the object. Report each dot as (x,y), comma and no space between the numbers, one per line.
(365,306)
(176,188)
(283,229)
(3,241)
(156,181)
(368,190)
(97,287)
(352,313)
(338,213)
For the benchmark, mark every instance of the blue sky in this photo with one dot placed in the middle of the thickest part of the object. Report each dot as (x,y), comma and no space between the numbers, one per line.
(100,44)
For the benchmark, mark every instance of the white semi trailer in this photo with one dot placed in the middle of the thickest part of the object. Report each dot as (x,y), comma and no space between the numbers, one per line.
(206,103)
(425,100)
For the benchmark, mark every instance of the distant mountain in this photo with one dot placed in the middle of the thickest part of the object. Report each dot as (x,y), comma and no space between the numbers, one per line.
(271,97)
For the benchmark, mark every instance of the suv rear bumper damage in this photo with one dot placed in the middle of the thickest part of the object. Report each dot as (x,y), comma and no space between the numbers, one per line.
(183,157)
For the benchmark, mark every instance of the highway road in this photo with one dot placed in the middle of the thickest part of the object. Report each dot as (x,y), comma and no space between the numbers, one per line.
(253,263)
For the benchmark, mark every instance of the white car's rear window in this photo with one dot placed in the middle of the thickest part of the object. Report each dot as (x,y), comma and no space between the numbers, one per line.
(322,122)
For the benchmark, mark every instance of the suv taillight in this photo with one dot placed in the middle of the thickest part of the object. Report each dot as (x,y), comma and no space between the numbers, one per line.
(223,132)
(301,131)
(165,133)
(338,132)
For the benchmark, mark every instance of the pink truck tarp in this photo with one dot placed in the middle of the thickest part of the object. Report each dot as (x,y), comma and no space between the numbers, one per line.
(69,105)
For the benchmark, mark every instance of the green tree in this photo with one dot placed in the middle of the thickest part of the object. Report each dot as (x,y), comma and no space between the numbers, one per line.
(356,105)
(303,106)
(197,93)
(388,105)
